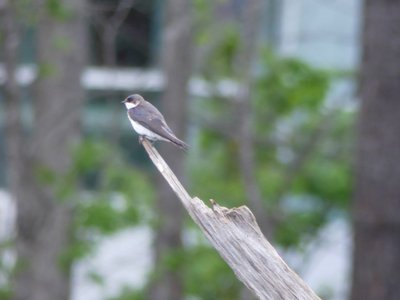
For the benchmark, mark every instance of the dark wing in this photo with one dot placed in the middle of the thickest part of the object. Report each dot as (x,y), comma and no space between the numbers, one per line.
(149,117)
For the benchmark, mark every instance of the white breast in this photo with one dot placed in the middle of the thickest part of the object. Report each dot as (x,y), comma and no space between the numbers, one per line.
(144,131)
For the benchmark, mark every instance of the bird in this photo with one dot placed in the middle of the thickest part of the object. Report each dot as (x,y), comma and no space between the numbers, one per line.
(148,122)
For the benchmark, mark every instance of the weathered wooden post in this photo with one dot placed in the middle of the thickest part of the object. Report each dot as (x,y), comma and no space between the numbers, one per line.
(234,233)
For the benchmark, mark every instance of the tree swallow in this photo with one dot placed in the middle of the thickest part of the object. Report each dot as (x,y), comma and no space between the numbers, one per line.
(148,122)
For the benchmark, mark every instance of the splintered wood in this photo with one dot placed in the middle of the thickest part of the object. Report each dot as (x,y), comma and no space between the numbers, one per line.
(234,233)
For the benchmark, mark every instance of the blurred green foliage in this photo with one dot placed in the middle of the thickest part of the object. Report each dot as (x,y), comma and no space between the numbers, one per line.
(303,152)
(207,276)
(302,147)
(302,158)
(57,10)
(105,193)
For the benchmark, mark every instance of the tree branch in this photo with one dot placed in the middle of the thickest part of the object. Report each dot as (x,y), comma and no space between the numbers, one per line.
(234,233)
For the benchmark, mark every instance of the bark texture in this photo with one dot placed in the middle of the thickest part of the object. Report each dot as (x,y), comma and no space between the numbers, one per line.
(11,35)
(234,233)
(43,221)
(176,59)
(377,195)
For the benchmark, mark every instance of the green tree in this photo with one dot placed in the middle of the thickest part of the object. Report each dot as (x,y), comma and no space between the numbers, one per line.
(301,146)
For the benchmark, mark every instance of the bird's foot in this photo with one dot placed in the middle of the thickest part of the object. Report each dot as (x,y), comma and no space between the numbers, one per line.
(141,139)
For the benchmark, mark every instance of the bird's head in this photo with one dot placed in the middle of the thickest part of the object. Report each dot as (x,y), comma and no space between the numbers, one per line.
(132,101)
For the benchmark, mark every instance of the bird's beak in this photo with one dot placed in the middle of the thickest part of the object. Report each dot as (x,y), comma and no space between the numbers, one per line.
(123,101)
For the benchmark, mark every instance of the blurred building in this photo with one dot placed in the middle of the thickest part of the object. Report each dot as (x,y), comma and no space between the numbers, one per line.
(323,33)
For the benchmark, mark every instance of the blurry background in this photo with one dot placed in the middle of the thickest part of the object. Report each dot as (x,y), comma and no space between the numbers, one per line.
(265,92)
